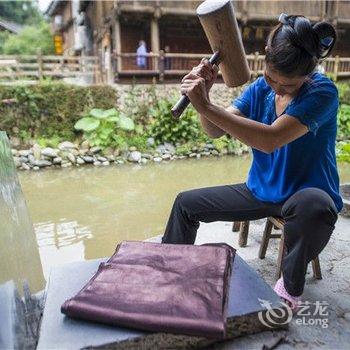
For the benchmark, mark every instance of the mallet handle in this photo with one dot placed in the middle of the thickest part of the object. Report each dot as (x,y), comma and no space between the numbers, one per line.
(184,101)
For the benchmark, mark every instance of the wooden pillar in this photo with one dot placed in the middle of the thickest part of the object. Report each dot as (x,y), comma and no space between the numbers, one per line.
(40,64)
(108,65)
(336,67)
(256,63)
(154,41)
(117,46)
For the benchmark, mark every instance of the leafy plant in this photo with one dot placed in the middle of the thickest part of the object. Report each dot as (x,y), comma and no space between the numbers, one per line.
(344,92)
(105,128)
(344,122)
(49,142)
(165,128)
(138,141)
(343,152)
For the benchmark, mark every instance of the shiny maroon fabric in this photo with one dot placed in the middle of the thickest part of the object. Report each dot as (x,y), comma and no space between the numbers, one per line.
(159,287)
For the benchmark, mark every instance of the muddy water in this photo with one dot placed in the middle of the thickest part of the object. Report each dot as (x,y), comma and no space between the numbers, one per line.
(83,213)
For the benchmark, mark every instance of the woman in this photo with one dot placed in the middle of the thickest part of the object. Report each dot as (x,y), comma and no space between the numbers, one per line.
(289,118)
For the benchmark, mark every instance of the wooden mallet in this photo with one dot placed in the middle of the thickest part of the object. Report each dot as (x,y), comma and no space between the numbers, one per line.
(221,28)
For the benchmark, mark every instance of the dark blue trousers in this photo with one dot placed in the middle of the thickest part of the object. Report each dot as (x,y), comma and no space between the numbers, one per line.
(309,214)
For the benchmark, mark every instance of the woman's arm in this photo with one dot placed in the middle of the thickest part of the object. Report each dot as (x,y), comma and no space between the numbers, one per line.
(211,129)
(263,137)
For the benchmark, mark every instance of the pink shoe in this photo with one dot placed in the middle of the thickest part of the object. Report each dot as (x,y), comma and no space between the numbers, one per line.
(292,301)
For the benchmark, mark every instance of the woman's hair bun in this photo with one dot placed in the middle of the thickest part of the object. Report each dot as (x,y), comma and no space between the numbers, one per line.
(327,37)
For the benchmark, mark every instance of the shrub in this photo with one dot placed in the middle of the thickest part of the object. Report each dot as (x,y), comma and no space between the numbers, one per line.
(50,110)
(165,128)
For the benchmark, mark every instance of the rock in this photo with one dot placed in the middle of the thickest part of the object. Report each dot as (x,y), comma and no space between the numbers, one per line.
(166,156)
(150,141)
(214,152)
(181,157)
(105,163)
(101,159)
(146,155)
(31,159)
(95,150)
(71,158)
(161,149)
(198,156)
(205,154)
(108,151)
(17,161)
(132,149)
(194,149)
(36,151)
(25,166)
(144,161)
(85,145)
(24,152)
(15,130)
(80,161)
(83,152)
(42,163)
(169,147)
(49,152)
(88,159)
(66,145)
(157,159)
(66,165)
(14,152)
(57,160)
(97,163)
(209,146)
(75,152)
(36,168)
(224,151)
(23,159)
(111,158)
(119,161)
(134,157)
(192,155)
(15,141)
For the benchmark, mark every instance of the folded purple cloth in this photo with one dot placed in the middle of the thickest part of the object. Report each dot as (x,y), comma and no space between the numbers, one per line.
(175,288)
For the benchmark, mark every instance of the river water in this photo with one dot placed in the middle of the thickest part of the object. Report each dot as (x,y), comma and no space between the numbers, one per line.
(83,213)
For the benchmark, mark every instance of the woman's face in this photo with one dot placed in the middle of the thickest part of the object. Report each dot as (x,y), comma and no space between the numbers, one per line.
(283,85)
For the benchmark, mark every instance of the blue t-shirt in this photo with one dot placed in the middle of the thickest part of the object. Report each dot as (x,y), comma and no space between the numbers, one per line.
(308,161)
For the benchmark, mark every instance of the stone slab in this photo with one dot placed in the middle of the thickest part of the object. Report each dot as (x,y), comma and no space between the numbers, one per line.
(58,331)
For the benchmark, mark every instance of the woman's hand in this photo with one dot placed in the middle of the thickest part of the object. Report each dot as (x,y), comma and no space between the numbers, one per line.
(197,83)
(204,70)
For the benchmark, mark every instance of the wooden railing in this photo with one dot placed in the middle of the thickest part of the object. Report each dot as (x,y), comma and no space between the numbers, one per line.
(170,64)
(162,66)
(14,67)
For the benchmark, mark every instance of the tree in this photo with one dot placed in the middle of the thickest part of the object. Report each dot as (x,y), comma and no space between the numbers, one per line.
(3,37)
(29,40)
(21,12)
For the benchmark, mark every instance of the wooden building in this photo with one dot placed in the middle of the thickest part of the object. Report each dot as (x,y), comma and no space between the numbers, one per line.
(113,29)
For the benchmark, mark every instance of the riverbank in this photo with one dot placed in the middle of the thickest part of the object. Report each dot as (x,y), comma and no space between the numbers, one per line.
(69,154)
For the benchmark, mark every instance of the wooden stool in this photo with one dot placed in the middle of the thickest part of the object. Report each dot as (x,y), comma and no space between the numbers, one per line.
(271,222)
(243,228)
